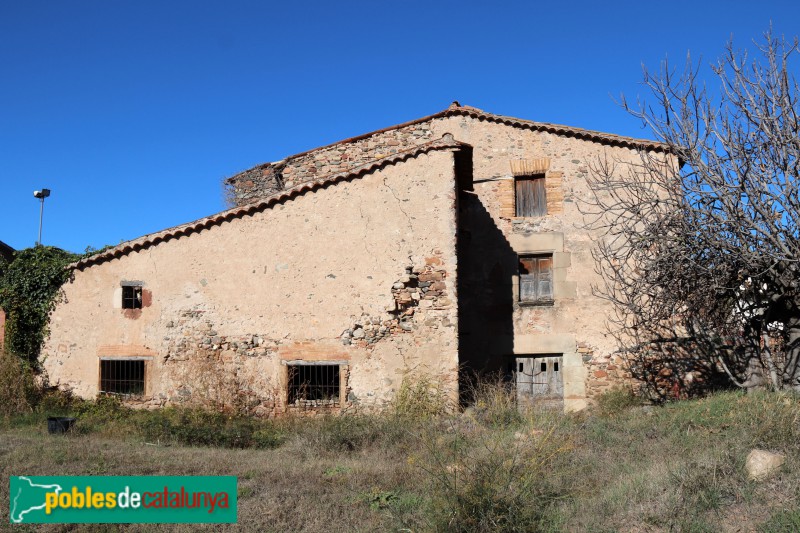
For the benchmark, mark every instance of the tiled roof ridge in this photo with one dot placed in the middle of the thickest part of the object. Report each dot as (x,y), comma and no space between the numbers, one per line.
(458,109)
(447,141)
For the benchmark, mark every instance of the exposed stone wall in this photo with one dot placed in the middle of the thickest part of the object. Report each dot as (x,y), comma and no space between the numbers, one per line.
(422,288)
(230,307)
(606,371)
(250,185)
(269,178)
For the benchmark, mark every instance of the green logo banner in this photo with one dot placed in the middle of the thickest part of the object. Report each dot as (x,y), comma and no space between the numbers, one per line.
(122,499)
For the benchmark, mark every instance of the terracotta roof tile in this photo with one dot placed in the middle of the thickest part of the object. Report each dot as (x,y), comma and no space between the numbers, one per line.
(153,239)
(566,131)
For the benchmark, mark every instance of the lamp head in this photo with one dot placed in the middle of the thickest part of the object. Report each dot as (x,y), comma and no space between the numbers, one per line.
(44,193)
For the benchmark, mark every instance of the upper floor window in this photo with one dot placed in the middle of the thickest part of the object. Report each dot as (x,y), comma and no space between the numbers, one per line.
(536,279)
(530,196)
(131,295)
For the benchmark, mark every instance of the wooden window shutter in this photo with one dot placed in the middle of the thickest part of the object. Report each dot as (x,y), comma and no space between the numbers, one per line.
(545,278)
(527,279)
(531,196)
(536,279)
(529,188)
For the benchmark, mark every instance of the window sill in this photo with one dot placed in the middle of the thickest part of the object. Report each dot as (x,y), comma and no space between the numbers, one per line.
(537,303)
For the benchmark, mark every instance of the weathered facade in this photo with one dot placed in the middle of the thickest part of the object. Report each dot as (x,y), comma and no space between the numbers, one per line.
(451,240)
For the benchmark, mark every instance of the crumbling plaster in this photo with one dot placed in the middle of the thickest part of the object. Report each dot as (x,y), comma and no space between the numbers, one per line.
(282,284)
(314,277)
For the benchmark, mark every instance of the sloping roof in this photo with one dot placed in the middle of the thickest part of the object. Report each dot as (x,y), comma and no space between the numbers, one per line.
(456,109)
(6,252)
(567,131)
(153,239)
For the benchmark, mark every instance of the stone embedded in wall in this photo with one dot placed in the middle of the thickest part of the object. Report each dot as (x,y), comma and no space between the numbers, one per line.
(419,288)
(253,184)
(190,334)
(269,178)
(530,226)
(206,367)
(153,402)
(605,372)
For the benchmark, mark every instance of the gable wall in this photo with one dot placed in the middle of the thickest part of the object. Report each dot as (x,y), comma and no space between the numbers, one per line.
(317,278)
(493,323)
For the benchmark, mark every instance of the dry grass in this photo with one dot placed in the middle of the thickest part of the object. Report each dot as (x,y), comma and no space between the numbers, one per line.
(277,491)
(672,468)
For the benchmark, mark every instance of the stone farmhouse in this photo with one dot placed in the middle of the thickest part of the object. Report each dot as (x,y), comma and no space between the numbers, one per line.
(447,243)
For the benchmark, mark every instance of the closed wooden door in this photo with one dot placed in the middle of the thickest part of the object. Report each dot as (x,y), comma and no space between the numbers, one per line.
(539,378)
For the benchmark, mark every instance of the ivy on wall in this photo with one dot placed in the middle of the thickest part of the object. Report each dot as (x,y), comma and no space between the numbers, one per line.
(30,288)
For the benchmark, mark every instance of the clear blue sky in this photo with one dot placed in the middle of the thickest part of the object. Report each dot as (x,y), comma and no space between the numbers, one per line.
(132,112)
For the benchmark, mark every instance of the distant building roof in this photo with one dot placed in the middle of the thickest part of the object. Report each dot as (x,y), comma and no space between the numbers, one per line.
(6,252)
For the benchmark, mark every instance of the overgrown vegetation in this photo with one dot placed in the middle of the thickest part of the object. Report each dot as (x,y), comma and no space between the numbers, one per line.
(617,467)
(30,288)
(18,390)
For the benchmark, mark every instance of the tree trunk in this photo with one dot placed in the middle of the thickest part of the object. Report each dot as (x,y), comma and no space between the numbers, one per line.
(792,352)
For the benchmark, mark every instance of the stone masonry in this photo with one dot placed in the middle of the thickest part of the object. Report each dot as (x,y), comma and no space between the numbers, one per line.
(270,178)
(386,256)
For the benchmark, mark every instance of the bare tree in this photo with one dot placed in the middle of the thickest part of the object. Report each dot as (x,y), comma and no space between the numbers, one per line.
(703,243)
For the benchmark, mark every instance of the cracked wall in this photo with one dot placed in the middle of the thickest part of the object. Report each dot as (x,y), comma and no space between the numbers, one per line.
(231,305)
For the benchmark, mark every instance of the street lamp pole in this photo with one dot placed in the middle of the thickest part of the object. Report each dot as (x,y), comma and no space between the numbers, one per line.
(41,195)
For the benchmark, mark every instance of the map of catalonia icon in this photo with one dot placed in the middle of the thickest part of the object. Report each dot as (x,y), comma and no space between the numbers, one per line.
(28,498)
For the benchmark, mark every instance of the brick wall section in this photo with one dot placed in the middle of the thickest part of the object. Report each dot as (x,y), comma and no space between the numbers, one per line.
(606,372)
(124,350)
(554,193)
(266,179)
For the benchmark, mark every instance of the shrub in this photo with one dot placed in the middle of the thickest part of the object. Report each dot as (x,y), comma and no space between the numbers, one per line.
(30,288)
(268,437)
(343,433)
(616,401)
(55,402)
(18,390)
(420,398)
(199,427)
(492,480)
(494,401)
